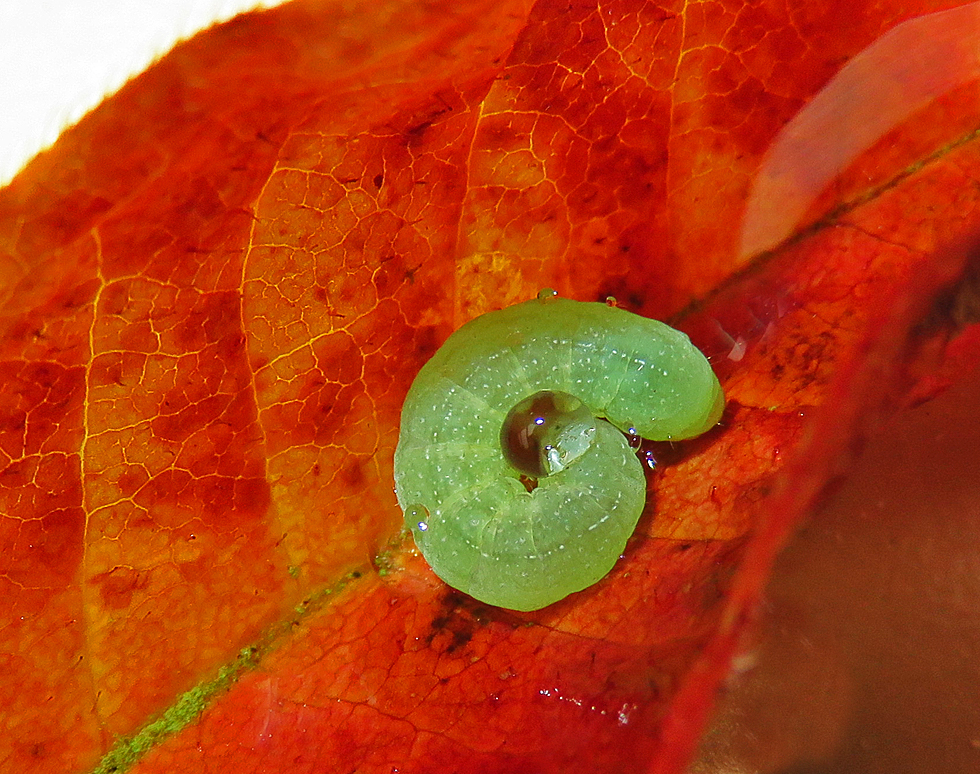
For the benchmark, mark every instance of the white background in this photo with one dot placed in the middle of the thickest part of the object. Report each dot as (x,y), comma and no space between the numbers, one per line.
(58,58)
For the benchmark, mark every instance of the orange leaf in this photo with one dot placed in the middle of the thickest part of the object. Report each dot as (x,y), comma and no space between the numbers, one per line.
(219,285)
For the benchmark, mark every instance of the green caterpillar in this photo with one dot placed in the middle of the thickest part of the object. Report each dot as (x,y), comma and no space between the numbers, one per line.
(512,475)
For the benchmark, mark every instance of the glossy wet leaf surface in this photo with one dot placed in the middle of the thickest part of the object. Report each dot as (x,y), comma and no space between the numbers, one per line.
(218,287)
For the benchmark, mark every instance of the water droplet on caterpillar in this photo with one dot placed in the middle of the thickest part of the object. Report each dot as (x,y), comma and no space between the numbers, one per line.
(547,294)
(418,516)
(546,432)
(633,439)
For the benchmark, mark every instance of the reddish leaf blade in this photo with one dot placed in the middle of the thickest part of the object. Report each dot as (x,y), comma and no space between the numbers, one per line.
(903,72)
(215,313)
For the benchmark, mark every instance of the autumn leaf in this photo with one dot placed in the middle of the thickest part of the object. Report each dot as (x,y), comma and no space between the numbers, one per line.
(217,288)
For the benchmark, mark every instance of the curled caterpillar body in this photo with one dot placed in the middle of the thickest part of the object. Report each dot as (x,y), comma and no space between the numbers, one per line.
(513,476)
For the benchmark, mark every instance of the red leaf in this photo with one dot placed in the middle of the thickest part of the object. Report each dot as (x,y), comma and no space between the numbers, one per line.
(219,285)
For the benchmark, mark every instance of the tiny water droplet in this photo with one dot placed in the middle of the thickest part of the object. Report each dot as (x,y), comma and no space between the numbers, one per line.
(649,460)
(547,294)
(418,515)
(611,301)
(633,439)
